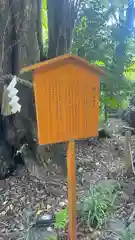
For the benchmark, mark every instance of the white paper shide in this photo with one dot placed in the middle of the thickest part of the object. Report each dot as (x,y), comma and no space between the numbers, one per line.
(12,92)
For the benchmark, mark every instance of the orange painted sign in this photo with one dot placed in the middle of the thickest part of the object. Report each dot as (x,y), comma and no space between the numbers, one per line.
(67,102)
(67,99)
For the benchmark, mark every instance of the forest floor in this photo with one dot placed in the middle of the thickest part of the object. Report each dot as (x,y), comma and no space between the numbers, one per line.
(100,162)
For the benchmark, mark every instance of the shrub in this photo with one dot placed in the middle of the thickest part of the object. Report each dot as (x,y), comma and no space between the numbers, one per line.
(127,235)
(97,205)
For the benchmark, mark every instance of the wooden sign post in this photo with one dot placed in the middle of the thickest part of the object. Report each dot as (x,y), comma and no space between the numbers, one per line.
(67,105)
(71,189)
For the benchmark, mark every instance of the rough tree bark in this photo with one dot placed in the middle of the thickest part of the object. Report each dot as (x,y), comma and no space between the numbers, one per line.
(19,45)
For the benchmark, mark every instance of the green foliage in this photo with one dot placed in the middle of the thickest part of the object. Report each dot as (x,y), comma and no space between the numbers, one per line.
(91,34)
(127,235)
(44,22)
(97,34)
(99,63)
(112,103)
(116,102)
(98,205)
(61,219)
(130,70)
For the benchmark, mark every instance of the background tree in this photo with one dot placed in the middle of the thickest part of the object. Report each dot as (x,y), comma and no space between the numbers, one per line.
(99,33)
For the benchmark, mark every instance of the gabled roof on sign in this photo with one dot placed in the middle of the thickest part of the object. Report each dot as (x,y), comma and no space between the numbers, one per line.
(62,60)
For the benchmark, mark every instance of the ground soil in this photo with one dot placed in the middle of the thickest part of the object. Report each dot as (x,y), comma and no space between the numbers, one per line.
(26,192)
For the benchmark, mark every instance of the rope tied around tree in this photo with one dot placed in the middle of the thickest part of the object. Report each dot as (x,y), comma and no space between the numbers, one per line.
(7,78)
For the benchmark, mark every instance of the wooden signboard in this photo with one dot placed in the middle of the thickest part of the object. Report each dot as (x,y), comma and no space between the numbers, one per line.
(67,92)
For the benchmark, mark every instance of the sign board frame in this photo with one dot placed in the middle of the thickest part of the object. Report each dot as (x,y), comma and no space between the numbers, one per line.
(67,106)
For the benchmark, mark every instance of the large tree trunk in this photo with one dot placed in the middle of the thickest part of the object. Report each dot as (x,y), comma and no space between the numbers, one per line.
(19,45)
(60,27)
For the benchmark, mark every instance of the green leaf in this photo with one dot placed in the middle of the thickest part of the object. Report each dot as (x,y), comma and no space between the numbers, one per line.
(61,219)
(99,63)
(44,21)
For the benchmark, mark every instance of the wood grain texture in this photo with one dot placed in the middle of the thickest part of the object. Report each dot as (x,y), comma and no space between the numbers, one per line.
(67,103)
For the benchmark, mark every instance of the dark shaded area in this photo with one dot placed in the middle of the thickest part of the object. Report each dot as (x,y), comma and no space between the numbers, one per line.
(129,114)
(9,158)
(102,133)
(15,130)
(17,161)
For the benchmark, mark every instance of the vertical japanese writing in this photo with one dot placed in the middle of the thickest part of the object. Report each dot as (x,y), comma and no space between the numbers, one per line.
(93,96)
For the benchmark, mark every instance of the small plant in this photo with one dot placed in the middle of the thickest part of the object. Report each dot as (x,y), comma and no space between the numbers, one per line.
(61,219)
(127,235)
(99,203)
